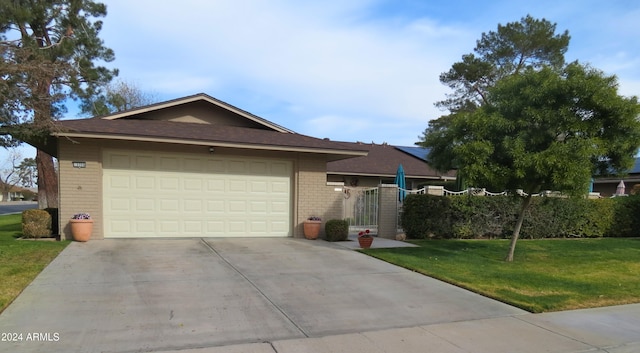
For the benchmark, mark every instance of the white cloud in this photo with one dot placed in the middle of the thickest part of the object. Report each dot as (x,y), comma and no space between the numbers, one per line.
(300,63)
(322,58)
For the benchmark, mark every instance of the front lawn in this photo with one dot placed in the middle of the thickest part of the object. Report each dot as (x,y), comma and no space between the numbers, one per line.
(21,260)
(547,275)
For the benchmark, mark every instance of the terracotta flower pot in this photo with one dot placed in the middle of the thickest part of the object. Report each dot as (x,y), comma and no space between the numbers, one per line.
(81,229)
(312,229)
(365,242)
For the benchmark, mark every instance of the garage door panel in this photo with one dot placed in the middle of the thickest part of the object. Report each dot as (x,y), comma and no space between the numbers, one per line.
(258,168)
(237,167)
(280,187)
(145,162)
(194,226)
(144,205)
(215,166)
(237,227)
(237,207)
(279,227)
(169,183)
(169,164)
(168,205)
(122,182)
(171,227)
(186,195)
(279,207)
(215,185)
(215,206)
(259,227)
(119,161)
(145,226)
(258,187)
(238,186)
(258,207)
(192,206)
(120,204)
(145,182)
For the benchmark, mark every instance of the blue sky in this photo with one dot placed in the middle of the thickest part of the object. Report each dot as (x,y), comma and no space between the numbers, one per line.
(357,70)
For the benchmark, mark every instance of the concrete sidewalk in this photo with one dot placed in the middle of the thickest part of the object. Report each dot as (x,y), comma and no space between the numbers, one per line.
(612,330)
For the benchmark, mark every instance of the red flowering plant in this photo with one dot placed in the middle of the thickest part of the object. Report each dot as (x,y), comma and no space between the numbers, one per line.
(364,234)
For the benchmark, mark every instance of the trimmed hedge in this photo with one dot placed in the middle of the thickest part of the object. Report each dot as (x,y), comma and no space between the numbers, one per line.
(336,230)
(470,217)
(36,223)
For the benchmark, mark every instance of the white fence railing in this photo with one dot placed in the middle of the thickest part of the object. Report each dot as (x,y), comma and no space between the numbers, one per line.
(441,191)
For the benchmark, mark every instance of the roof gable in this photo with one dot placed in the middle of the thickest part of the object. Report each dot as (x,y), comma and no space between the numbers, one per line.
(200,109)
(197,120)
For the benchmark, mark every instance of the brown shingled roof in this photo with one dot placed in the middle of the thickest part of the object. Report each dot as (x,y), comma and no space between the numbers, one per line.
(383,160)
(204,133)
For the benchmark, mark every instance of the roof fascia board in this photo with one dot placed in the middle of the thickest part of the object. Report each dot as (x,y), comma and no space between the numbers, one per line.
(441,177)
(217,144)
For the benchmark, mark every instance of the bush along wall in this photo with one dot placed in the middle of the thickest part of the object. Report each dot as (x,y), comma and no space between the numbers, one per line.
(473,217)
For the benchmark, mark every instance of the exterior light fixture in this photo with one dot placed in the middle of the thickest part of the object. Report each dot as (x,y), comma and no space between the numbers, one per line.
(211,149)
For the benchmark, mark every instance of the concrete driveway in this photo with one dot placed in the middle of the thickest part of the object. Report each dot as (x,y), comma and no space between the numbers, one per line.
(135,295)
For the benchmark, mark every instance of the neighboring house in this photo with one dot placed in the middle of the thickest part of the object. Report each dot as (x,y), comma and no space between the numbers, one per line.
(15,193)
(192,167)
(381,164)
(607,186)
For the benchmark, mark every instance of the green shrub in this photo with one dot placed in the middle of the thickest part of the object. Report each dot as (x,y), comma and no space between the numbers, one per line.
(336,230)
(425,216)
(468,217)
(474,217)
(626,217)
(36,223)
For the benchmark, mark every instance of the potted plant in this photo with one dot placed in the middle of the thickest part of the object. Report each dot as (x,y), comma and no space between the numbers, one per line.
(81,226)
(312,227)
(365,239)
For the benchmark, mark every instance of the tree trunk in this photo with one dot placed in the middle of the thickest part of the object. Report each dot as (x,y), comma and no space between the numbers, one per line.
(47,181)
(516,231)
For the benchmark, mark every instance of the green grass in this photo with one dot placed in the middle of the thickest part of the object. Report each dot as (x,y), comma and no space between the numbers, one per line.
(21,260)
(547,275)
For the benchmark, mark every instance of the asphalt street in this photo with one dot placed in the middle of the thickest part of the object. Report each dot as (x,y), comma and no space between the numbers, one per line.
(16,206)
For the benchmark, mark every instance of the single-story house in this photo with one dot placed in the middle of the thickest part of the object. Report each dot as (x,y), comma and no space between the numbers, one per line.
(14,192)
(607,186)
(381,164)
(192,167)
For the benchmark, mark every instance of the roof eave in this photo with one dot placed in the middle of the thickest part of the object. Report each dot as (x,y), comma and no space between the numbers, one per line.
(338,153)
(430,177)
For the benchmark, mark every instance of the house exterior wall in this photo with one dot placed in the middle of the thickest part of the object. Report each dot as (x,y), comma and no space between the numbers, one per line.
(387,210)
(315,196)
(81,189)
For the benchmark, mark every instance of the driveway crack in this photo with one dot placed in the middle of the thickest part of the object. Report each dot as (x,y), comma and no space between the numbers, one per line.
(263,294)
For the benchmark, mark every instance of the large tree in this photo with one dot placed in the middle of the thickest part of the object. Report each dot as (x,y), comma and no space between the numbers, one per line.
(541,127)
(514,47)
(9,174)
(118,96)
(49,52)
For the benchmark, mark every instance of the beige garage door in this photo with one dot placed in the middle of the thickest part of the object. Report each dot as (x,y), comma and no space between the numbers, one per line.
(182,195)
